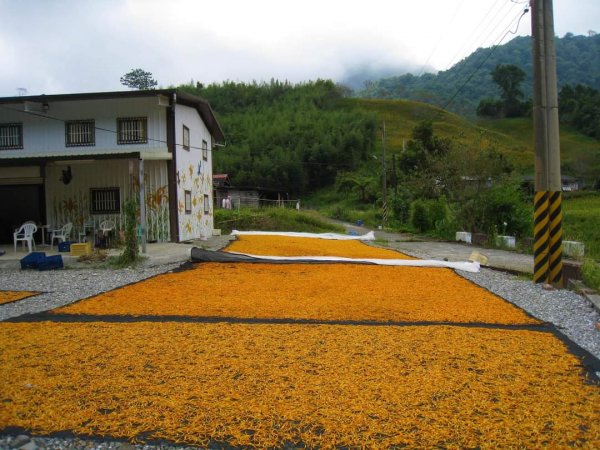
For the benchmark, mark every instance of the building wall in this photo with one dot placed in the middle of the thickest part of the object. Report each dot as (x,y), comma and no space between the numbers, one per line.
(194,174)
(45,135)
(71,202)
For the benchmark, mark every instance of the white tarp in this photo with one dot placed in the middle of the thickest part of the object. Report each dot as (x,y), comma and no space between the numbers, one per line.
(370,236)
(465,266)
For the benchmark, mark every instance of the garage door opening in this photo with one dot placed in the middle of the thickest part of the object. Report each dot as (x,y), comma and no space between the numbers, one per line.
(18,204)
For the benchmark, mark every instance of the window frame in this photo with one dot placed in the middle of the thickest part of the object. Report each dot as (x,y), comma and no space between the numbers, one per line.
(91,132)
(187,201)
(204,150)
(142,131)
(186,134)
(95,210)
(206,204)
(19,136)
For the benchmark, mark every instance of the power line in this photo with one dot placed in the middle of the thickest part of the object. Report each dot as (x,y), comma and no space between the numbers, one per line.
(435,47)
(49,117)
(493,49)
(494,29)
(478,31)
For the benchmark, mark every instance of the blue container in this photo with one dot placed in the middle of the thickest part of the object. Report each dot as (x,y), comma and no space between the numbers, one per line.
(64,246)
(51,262)
(359,223)
(32,260)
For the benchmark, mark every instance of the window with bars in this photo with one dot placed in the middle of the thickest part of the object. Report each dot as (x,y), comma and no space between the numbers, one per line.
(186,138)
(105,200)
(80,133)
(11,136)
(204,150)
(132,130)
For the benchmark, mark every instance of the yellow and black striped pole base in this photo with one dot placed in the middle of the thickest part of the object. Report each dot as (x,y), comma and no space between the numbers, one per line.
(555,239)
(540,237)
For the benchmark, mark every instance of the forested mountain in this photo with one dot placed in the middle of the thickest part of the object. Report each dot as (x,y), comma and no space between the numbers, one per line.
(578,62)
(284,136)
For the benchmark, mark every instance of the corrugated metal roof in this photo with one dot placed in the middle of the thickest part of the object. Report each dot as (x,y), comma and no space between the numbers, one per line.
(85,153)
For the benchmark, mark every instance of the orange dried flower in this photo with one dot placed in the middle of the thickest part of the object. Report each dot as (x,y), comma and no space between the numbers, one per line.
(300,246)
(313,385)
(308,291)
(13,296)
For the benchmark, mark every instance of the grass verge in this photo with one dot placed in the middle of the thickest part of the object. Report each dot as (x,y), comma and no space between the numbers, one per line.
(272,219)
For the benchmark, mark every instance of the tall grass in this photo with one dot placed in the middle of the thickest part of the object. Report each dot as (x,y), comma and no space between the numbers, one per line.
(581,222)
(272,219)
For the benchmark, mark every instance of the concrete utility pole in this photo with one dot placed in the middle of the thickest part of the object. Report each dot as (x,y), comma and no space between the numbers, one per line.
(547,247)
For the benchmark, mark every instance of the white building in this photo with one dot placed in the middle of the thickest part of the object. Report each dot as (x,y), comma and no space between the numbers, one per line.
(78,157)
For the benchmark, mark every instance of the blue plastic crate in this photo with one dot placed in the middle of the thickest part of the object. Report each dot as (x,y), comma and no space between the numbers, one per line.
(51,262)
(32,260)
(64,246)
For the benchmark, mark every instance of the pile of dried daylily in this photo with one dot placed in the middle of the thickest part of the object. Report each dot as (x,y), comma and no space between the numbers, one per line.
(308,291)
(298,246)
(275,381)
(13,296)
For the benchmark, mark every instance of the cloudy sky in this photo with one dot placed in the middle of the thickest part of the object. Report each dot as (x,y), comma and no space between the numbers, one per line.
(61,46)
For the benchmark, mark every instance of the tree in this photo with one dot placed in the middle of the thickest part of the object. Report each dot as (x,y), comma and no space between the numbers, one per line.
(365,185)
(509,78)
(138,79)
(580,106)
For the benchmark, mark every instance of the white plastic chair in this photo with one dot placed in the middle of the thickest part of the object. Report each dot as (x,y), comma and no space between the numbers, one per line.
(106,227)
(83,234)
(25,234)
(62,234)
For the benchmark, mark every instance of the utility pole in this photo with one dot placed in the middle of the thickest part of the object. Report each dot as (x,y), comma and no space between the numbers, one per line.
(384,176)
(547,247)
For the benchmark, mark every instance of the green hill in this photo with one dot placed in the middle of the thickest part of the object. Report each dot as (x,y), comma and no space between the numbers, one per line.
(580,154)
(300,137)
(577,60)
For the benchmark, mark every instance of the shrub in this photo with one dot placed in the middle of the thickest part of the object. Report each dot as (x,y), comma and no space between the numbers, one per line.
(502,209)
(420,218)
(130,253)
(400,205)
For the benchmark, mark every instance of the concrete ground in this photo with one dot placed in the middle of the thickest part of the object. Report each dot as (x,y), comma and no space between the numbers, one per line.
(156,254)
(453,251)
(167,252)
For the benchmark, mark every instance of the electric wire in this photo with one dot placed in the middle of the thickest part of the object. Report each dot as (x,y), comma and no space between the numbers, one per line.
(478,31)
(97,128)
(441,35)
(50,117)
(494,29)
(490,53)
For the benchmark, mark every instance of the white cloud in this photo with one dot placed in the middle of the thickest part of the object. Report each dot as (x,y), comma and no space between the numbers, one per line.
(87,45)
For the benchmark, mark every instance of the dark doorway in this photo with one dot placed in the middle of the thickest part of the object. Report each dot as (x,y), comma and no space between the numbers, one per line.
(18,204)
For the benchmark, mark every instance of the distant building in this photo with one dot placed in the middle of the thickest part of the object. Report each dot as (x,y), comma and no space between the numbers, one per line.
(228,196)
(568,183)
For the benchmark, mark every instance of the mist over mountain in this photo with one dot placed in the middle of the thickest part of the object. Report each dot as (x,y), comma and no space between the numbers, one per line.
(358,77)
(461,87)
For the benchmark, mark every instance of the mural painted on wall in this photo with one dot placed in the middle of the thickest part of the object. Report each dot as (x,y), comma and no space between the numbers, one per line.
(76,209)
(197,223)
(157,209)
(157,214)
(71,209)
